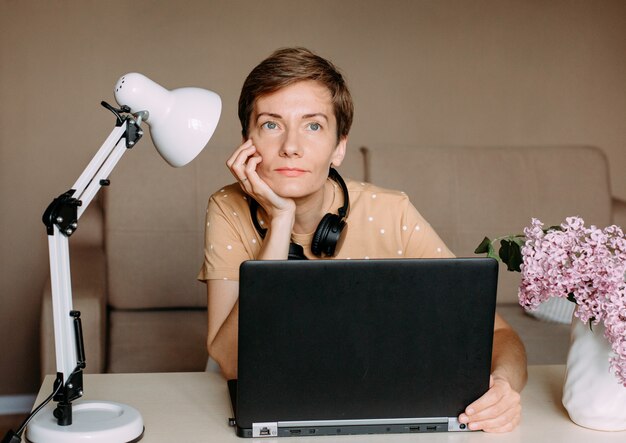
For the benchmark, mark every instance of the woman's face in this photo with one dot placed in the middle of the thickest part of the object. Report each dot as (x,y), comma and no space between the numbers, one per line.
(295,132)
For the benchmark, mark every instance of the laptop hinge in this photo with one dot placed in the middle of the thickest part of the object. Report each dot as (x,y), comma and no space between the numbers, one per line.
(269,429)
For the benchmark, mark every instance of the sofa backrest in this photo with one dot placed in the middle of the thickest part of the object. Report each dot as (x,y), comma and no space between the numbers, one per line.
(154,214)
(154,225)
(467,193)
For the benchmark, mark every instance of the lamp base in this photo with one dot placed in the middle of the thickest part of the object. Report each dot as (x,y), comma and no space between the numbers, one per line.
(92,421)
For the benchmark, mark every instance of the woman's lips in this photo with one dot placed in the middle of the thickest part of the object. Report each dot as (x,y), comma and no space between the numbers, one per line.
(291,172)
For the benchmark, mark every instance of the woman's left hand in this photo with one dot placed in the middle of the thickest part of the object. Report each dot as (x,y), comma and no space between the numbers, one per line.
(498,410)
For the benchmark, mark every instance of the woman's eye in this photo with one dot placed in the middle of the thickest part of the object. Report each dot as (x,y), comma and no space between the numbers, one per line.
(269,125)
(315,126)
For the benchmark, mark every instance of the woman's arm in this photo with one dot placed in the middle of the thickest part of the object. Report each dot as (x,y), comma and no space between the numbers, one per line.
(222,295)
(223,316)
(509,355)
(223,301)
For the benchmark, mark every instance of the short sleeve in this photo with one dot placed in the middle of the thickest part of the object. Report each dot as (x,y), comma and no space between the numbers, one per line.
(421,240)
(228,241)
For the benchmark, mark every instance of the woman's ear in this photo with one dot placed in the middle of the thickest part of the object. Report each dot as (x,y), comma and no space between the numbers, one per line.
(339,153)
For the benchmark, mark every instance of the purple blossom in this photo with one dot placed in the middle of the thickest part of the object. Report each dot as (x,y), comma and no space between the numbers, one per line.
(588,264)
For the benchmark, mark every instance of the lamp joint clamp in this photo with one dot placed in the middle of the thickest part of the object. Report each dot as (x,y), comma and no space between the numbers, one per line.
(63,212)
(133,132)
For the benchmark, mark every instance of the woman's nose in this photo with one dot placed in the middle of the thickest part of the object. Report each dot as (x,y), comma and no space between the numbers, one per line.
(290,144)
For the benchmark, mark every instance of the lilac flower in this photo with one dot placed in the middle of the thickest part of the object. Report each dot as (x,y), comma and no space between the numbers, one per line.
(587,265)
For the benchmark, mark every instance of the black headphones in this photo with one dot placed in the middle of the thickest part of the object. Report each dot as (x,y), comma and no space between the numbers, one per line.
(328,232)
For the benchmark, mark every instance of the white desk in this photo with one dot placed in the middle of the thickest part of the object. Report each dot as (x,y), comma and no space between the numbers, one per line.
(194,407)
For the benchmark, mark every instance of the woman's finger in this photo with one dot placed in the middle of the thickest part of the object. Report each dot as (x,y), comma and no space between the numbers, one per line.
(238,161)
(233,158)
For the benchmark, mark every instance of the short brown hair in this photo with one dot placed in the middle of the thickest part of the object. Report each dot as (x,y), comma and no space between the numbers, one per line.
(286,67)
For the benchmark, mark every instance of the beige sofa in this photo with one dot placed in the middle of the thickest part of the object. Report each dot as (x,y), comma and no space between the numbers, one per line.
(139,247)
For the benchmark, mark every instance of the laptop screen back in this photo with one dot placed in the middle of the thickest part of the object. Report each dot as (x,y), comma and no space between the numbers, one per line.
(363,339)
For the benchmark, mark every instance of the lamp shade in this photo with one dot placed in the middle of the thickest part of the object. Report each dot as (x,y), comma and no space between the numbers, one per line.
(181,120)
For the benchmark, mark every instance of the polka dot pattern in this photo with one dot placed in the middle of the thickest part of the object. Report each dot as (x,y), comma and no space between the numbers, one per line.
(381,224)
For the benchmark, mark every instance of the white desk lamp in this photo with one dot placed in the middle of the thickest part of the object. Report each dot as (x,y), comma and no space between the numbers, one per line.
(181,123)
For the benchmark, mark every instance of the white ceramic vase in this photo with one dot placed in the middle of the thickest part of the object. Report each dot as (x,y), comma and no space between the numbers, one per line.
(591,394)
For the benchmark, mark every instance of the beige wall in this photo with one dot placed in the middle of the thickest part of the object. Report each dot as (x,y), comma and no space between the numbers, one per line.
(485,72)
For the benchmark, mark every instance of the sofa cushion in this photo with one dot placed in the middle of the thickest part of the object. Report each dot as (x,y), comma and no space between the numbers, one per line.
(157,341)
(468,193)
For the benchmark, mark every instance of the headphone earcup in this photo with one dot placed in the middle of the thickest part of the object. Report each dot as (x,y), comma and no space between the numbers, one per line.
(327,235)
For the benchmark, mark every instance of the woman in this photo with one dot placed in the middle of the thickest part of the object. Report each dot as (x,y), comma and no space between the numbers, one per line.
(296,111)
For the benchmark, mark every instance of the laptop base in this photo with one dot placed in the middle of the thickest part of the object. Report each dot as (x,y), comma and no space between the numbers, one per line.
(399,426)
(342,427)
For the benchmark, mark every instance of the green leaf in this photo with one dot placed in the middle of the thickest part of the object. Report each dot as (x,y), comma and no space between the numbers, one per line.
(491,252)
(504,251)
(519,240)
(483,247)
(516,260)
(511,254)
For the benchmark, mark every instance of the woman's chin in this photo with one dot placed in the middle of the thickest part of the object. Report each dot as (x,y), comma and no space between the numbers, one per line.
(292,190)
(291,193)
(295,187)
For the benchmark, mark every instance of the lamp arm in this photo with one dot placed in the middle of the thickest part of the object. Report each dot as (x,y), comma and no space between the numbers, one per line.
(61,220)
(97,171)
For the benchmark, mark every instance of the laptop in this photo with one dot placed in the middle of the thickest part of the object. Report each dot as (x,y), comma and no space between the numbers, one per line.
(334,347)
